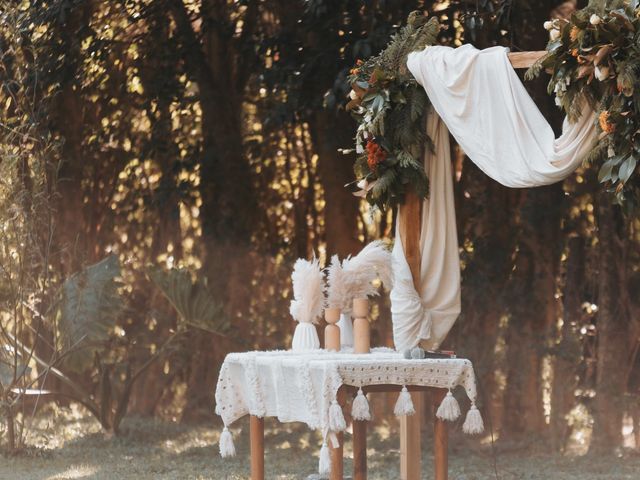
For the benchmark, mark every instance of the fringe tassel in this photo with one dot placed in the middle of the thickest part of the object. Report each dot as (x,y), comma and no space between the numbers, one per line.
(333,438)
(227,449)
(473,424)
(360,407)
(336,418)
(404,405)
(449,409)
(324,464)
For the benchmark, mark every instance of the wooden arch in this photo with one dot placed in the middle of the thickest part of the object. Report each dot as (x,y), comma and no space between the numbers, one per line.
(410,435)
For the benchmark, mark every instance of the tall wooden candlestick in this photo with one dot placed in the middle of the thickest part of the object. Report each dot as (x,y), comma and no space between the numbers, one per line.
(332,331)
(361,326)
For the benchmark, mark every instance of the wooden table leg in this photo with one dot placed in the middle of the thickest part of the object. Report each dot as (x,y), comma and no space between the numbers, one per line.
(337,461)
(410,440)
(256,427)
(440,443)
(359,450)
(337,454)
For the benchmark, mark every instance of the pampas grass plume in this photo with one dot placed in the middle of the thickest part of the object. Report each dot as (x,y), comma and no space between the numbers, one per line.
(337,289)
(308,297)
(361,271)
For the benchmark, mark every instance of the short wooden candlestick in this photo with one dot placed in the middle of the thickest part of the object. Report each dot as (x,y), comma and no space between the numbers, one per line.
(332,331)
(361,326)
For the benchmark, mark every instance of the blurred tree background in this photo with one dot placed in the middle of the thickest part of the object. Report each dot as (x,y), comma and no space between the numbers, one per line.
(164,162)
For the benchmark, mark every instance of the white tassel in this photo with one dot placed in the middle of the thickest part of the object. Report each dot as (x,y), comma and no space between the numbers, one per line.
(404,405)
(473,424)
(324,464)
(360,407)
(227,449)
(449,409)
(336,418)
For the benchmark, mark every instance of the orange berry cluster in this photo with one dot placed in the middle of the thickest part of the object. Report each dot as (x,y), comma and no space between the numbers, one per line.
(605,124)
(375,155)
(356,70)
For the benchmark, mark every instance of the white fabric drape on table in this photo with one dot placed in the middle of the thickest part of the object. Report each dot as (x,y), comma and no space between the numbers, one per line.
(300,386)
(484,105)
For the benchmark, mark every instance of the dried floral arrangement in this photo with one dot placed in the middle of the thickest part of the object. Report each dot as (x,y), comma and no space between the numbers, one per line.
(356,276)
(308,298)
(390,108)
(595,56)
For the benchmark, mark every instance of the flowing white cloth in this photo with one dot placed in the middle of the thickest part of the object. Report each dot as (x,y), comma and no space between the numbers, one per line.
(489,112)
(429,314)
(483,103)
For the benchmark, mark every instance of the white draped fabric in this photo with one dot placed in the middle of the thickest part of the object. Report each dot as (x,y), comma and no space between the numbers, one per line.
(482,102)
(300,386)
(430,314)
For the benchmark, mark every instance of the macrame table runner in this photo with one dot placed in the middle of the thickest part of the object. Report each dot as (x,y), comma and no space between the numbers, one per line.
(304,387)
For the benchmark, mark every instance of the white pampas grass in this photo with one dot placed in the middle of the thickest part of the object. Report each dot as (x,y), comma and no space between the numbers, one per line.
(355,276)
(337,291)
(308,298)
(361,271)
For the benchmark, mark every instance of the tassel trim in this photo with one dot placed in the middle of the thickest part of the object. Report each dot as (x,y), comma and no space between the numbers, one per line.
(449,409)
(360,407)
(473,424)
(404,404)
(324,463)
(336,418)
(227,448)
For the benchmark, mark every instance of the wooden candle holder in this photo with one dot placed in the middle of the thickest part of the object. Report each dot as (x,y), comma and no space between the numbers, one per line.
(332,331)
(361,326)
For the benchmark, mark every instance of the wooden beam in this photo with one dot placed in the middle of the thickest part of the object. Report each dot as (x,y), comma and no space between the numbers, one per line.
(409,225)
(410,439)
(525,59)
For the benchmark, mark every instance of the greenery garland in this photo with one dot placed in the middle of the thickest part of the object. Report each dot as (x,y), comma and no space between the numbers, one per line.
(596,56)
(390,108)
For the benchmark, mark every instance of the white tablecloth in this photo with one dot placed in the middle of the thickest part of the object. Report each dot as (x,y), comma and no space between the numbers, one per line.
(300,386)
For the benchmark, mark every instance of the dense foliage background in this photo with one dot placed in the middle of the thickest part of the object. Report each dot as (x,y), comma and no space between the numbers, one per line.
(149,135)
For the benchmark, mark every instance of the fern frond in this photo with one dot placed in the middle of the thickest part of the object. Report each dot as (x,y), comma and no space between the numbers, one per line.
(190,297)
(89,308)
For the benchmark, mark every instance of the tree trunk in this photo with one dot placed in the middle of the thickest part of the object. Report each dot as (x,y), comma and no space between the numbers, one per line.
(331,131)
(567,350)
(69,119)
(229,206)
(486,219)
(157,74)
(612,329)
(533,308)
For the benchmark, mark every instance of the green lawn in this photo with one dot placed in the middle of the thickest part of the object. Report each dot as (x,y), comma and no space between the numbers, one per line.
(69,445)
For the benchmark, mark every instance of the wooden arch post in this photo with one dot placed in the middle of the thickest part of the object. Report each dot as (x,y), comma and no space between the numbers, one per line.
(410,216)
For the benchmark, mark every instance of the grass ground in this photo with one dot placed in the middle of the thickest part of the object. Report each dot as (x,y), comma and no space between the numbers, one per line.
(67,444)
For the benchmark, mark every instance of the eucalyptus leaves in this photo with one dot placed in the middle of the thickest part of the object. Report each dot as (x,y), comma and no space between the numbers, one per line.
(596,56)
(390,108)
